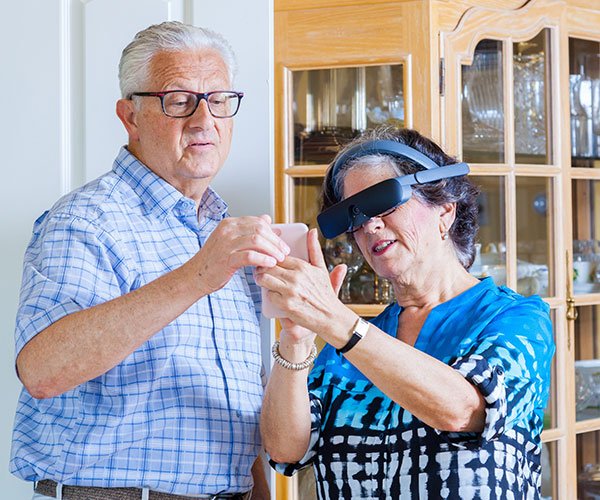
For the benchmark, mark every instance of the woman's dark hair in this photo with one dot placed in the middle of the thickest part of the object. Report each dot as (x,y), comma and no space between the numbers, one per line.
(457,190)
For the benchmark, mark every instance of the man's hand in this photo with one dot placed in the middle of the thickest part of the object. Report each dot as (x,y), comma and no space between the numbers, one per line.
(237,242)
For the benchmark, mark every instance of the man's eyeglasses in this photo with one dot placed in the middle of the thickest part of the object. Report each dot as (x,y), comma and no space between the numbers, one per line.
(183,103)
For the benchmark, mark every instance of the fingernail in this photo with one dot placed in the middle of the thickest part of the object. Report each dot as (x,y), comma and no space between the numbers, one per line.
(271,262)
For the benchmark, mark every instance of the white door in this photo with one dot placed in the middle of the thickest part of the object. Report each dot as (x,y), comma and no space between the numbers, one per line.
(58,87)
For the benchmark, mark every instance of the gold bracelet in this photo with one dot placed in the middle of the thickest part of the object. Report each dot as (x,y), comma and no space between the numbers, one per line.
(288,365)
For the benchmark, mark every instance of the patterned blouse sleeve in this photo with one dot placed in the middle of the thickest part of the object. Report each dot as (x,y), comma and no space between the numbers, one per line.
(510,366)
(315,391)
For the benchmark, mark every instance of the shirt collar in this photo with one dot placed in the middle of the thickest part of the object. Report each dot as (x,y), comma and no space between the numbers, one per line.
(157,195)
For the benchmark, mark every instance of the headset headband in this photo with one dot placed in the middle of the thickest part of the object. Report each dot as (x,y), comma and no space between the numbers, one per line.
(374,200)
(387,147)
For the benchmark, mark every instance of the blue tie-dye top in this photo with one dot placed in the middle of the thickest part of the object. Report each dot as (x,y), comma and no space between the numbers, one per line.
(363,445)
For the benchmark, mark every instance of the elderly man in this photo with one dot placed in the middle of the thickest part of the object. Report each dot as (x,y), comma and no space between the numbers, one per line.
(137,336)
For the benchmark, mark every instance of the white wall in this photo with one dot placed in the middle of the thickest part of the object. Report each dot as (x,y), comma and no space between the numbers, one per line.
(58,129)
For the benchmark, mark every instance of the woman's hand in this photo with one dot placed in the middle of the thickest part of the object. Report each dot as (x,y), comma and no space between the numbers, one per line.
(304,290)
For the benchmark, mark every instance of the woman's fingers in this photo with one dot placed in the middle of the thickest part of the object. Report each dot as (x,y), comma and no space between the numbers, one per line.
(337,277)
(315,255)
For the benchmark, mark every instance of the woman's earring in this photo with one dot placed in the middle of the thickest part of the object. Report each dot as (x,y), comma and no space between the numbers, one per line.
(445,235)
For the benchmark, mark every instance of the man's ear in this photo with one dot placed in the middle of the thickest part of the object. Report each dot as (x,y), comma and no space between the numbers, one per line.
(127,113)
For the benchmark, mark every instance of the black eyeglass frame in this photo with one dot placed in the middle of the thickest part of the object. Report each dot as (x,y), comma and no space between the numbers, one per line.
(199,97)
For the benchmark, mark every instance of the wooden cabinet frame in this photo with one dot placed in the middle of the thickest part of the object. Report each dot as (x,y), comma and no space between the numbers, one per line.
(433,39)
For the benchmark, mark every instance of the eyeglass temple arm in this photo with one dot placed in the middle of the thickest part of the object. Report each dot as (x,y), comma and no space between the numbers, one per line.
(434,174)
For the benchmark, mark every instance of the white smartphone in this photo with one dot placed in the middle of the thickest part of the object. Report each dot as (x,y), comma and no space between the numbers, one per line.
(295,235)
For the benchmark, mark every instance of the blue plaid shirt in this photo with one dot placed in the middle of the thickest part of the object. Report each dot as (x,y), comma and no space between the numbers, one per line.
(180,414)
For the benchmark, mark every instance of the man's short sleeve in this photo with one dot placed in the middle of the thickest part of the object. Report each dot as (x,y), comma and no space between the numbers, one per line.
(70,265)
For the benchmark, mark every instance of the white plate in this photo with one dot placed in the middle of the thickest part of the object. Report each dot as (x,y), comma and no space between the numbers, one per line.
(586,287)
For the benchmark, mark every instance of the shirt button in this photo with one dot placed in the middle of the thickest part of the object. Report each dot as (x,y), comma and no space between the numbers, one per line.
(499,370)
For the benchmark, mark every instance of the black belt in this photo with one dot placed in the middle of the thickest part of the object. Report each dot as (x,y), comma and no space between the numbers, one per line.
(47,488)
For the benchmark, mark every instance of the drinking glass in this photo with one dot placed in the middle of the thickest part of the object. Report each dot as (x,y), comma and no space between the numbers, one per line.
(529,88)
(341,250)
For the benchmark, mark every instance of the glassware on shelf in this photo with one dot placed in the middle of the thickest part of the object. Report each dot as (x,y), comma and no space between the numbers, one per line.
(589,482)
(362,288)
(587,388)
(585,108)
(579,124)
(341,250)
(593,70)
(585,101)
(482,101)
(331,106)
(475,269)
(384,292)
(584,267)
(530,103)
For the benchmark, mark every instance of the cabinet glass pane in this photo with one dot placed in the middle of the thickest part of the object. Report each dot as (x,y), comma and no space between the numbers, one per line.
(307,487)
(490,258)
(307,191)
(587,362)
(588,465)
(549,472)
(331,106)
(531,77)
(534,236)
(584,101)
(586,236)
(482,102)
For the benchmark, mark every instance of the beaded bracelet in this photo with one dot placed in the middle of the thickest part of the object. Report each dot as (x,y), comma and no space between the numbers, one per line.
(288,364)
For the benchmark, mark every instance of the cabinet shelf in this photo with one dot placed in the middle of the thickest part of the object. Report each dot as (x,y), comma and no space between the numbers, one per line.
(306,171)
(589,425)
(367,310)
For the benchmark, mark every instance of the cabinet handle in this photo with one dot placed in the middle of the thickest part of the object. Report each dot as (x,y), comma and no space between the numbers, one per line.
(572,312)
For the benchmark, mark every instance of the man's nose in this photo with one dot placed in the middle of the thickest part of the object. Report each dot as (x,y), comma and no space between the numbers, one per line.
(202,117)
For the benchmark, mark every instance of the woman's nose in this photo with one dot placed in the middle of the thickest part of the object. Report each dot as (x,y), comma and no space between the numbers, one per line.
(373,224)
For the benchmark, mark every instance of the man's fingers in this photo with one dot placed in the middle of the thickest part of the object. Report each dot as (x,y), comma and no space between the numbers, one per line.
(245,258)
(266,218)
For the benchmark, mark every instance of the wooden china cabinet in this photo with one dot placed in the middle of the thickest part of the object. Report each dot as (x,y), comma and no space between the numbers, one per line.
(513,88)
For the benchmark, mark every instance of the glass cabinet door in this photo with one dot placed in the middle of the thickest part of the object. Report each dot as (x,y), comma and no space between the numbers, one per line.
(532,81)
(332,106)
(588,460)
(329,107)
(517,216)
(586,236)
(584,120)
(584,102)
(499,116)
(482,99)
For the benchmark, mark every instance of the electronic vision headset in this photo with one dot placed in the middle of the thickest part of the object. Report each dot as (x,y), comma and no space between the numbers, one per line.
(349,214)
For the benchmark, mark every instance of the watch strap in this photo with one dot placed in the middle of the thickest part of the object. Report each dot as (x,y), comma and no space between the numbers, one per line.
(361,327)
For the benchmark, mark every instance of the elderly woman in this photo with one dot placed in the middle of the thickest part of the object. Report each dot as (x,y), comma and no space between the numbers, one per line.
(441,395)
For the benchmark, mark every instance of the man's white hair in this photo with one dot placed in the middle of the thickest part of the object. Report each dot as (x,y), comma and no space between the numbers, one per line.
(170,36)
